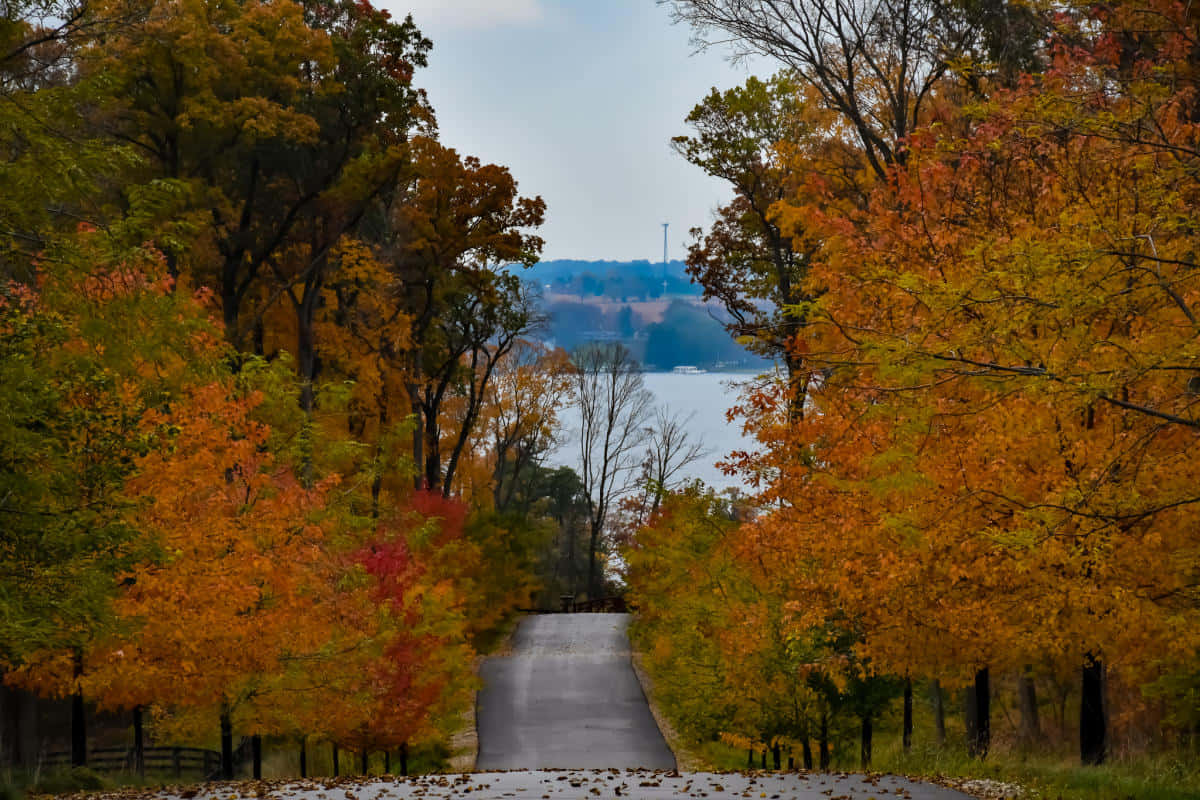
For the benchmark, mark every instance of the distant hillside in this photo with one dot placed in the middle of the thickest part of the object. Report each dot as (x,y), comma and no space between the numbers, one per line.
(616,280)
(625,301)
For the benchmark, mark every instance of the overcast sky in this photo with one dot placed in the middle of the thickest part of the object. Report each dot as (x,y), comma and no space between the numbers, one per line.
(580,98)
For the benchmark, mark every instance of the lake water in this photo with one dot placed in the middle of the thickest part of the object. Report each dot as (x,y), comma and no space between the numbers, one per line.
(708,396)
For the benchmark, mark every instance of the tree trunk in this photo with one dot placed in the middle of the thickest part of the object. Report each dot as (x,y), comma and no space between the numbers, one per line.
(366,762)
(777,757)
(336,758)
(806,753)
(866,741)
(387,762)
(12,713)
(256,755)
(230,307)
(433,448)
(78,718)
(1093,726)
(258,336)
(572,567)
(1030,732)
(593,583)
(404,759)
(979,721)
(939,712)
(307,363)
(303,758)
(139,743)
(907,733)
(823,741)
(226,745)
(418,435)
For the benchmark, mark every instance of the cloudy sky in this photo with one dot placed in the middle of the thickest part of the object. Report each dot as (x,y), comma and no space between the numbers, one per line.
(580,99)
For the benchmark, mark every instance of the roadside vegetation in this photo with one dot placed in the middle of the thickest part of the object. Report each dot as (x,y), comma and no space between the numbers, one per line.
(970,544)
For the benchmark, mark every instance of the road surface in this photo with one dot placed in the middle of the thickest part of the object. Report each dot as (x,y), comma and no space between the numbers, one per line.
(567,698)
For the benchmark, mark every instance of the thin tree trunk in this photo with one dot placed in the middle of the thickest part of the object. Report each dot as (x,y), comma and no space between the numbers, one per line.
(1093,725)
(866,741)
(303,758)
(78,717)
(366,762)
(256,755)
(139,743)
(226,745)
(823,741)
(387,762)
(336,766)
(593,582)
(418,433)
(1030,732)
(806,753)
(777,756)
(404,759)
(907,733)
(939,712)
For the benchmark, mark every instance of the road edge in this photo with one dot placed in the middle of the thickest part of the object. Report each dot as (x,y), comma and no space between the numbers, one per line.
(464,742)
(685,759)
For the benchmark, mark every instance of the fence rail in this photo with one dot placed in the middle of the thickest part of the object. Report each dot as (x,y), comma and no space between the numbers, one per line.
(175,760)
(615,604)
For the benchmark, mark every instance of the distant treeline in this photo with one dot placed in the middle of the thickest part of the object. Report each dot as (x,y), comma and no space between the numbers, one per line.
(602,309)
(625,281)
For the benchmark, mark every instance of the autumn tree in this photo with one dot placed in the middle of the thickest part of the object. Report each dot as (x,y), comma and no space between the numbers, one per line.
(1002,418)
(450,233)
(873,63)
(744,261)
(527,393)
(89,353)
(262,120)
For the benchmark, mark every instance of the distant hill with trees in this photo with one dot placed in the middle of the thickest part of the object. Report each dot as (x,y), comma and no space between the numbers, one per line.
(618,280)
(654,309)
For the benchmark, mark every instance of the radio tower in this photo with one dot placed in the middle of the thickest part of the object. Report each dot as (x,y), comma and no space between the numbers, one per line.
(665,226)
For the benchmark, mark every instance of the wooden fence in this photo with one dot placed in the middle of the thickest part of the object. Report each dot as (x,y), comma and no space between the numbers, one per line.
(177,761)
(610,605)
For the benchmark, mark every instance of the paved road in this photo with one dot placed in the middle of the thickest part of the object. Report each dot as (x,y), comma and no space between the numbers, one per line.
(567,698)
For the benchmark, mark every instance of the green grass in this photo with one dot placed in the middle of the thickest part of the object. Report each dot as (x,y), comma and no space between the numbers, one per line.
(16,784)
(1167,776)
(1173,776)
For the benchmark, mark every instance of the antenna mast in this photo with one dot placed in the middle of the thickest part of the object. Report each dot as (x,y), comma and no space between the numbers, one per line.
(665,226)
